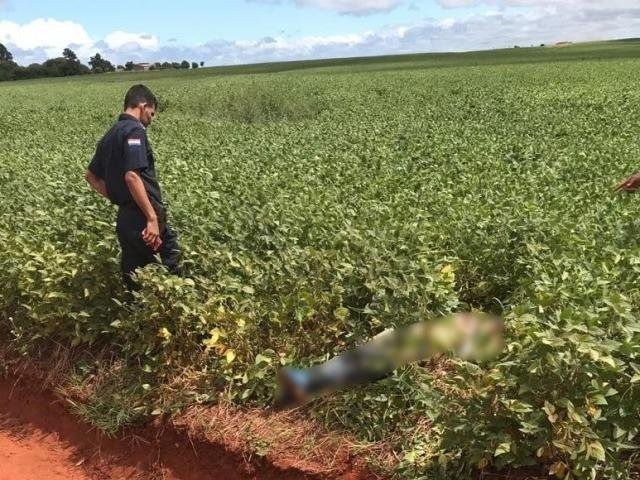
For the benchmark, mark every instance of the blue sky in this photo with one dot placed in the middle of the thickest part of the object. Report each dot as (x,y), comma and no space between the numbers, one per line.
(244,31)
(197,21)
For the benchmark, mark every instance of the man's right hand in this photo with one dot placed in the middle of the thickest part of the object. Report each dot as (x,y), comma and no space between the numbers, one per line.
(629,185)
(151,234)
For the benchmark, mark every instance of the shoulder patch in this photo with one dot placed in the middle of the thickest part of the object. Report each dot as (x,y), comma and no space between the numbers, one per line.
(134,142)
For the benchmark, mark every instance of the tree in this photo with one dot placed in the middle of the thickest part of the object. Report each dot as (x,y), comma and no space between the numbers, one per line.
(100,65)
(96,63)
(35,70)
(67,65)
(70,55)
(185,64)
(202,64)
(7,65)
(194,65)
(5,55)
(129,66)
(7,71)
(58,67)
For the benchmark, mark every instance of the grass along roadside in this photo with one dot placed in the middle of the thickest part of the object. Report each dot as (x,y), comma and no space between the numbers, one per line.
(285,442)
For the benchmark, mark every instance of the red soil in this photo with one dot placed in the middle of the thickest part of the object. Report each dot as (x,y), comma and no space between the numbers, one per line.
(39,439)
(27,454)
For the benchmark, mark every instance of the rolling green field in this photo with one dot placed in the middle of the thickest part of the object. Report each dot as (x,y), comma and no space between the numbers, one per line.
(319,203)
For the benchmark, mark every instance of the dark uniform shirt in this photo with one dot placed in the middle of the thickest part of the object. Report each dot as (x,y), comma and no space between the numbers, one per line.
(123,148)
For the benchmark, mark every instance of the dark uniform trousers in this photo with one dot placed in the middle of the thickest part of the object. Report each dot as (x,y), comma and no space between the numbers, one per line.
(135,252)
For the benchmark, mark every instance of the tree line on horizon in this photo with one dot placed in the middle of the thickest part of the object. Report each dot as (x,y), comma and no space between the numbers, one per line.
(69,65)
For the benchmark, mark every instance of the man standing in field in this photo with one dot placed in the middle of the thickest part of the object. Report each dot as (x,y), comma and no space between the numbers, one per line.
(123,171)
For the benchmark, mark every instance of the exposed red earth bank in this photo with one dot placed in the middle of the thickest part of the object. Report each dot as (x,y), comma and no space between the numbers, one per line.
(40,439)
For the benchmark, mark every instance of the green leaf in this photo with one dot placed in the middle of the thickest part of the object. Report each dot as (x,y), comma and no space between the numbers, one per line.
(549,408)
(596,450)
(341,313)
(502,449)
(608,360)
(262,359)
(56,295)
(230,356)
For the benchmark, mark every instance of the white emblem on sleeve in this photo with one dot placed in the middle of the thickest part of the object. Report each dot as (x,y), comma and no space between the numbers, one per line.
(134,142)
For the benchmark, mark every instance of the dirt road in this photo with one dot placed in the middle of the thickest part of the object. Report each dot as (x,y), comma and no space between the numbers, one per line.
(27,453)
(39,440)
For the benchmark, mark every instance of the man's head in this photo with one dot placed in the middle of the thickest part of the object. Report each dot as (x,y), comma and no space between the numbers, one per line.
(141,103)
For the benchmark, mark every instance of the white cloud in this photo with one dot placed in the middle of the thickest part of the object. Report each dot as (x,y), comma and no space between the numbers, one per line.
(352,6)
(45,33)
(349,7)
(447,22)
(45,38)
(118,39)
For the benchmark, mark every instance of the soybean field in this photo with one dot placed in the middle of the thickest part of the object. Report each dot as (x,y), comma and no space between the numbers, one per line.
(321,203)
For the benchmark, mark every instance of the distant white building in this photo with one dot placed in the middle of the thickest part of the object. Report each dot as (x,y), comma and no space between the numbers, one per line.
(142,66)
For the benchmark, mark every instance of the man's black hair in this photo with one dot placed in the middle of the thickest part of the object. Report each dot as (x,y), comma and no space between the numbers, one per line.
(139,94)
